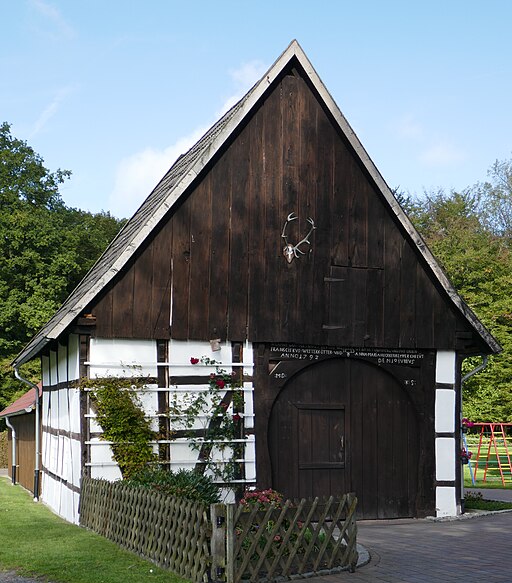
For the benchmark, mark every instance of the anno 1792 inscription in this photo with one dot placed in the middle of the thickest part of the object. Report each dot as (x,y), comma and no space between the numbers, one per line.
(312,353)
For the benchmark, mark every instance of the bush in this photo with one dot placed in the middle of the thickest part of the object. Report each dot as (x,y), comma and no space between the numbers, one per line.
(183,483)
(3,449)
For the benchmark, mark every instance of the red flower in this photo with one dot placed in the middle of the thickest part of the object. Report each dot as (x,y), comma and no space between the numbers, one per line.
(236,417)
(194,360)
(224,405)
(220,383)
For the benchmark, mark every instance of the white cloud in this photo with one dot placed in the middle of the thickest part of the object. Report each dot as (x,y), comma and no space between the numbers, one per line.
(410,128)
(61,28)
(244,78)
(138,174)
(442,154)
(50,110)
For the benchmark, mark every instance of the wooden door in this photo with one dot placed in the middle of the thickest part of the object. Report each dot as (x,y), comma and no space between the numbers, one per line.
(346,425)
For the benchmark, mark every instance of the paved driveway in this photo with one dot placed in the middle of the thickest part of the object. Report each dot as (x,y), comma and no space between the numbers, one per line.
(419,551)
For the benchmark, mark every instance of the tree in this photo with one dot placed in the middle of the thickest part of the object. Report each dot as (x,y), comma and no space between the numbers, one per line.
(45,249)
(496,199)
(478,261)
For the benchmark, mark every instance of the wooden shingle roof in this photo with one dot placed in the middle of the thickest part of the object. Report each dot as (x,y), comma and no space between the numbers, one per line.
(183,173)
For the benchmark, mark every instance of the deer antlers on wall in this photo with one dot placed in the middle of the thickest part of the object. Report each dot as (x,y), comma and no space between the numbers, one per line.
(290,251)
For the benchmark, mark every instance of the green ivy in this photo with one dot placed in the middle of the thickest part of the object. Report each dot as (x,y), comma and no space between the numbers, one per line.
(120,414)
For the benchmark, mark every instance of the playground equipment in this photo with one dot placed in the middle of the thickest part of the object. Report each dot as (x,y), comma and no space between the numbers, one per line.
(493,452)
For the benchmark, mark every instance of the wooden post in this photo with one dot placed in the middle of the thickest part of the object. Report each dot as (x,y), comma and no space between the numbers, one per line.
(230,543)
(218,517)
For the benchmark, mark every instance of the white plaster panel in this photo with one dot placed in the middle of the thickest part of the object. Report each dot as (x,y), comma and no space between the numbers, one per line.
(64,409)
(122,357)
(148,400)
(446,503)
(75,462)
(62,363)
(60,499)
(48,408)
(94,426)
(73,357)
(61,467)
(182,452)
(45,364)
(45,449)
(445,411)
(74,410)
(248,406)
(53,453)
(44,408)
(100,452)
(445,458)
(181,351)
(53,368)
(445,366)
(111,473)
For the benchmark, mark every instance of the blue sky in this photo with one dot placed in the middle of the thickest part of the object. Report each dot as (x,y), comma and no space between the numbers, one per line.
(115,90)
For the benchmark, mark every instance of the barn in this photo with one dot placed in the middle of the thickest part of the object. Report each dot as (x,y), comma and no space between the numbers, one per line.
(275,250)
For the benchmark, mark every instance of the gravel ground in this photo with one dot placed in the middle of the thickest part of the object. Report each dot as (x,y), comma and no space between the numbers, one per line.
(11,577)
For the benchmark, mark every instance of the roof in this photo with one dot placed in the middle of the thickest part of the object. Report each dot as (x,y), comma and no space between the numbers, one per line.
(181,175)
(25,404)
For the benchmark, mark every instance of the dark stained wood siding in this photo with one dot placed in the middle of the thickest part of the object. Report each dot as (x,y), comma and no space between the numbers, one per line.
(217,258)
(25,450)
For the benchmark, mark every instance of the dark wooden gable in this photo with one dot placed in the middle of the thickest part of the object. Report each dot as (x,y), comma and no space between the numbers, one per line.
(217,257)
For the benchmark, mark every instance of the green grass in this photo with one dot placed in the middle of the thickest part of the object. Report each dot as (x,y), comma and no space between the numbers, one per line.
(488,505)
(35,542)
(475,501)
(493,477)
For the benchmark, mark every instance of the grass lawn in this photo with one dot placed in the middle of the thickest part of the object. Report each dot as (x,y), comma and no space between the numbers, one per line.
(493,477)
(35,542)
(489,505)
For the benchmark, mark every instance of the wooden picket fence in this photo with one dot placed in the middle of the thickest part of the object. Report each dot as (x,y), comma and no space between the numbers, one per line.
(300,538)
(174,533)
(225,542)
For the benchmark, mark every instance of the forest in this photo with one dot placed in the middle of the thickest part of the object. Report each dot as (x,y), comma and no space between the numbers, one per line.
(47,247)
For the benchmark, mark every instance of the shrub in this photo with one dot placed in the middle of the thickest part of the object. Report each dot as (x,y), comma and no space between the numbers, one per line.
(3,449)
(262,498)
(183,483)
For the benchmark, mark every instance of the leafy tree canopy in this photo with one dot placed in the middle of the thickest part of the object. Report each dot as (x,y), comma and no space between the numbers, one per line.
(470,234)
(45,249)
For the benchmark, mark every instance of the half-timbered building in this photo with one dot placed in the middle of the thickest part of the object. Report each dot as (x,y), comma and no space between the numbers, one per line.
(275,247)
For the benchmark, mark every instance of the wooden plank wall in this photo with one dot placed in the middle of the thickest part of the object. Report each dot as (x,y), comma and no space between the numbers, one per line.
(25,451)
(218,257)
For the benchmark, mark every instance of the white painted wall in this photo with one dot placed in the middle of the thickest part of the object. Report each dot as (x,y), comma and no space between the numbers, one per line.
(60,417)
(445,366)
(445,447)
(125,358)
(122,357)
(445,411)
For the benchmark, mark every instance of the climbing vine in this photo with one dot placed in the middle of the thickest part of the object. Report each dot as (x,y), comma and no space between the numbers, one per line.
(120,414)
(212,421)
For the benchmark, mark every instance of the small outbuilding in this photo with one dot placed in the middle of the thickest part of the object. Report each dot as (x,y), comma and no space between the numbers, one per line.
(21,440)
(275,247)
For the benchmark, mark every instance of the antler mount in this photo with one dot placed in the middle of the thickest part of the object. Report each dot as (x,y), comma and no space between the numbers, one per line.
(292,251)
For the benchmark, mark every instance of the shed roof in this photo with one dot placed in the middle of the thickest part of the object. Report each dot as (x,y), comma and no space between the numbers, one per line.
(181,175)
(25,404)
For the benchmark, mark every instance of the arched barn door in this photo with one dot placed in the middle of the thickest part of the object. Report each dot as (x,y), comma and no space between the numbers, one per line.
(345,425)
